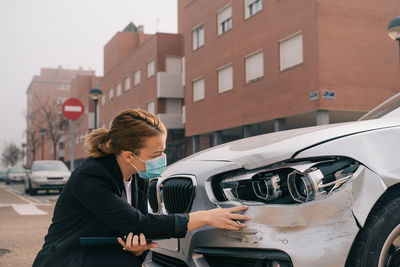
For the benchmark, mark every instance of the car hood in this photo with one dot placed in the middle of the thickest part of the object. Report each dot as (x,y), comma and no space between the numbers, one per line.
(51,173)
(262,150)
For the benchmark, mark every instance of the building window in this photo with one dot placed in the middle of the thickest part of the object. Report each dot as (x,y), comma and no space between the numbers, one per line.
(291,51)
(63,87)
(198,90)
(127,83)
(61,100)
(111,94)
(137,78)
(150,68)
(225,79)
(198,37)
(103,99)
(119,89)
(172,64)
(254,66)
(225,20)
(252,7)
(150,107)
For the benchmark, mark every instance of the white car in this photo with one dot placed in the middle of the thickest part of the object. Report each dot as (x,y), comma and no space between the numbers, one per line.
(15,174)
(319,196)
(46,174)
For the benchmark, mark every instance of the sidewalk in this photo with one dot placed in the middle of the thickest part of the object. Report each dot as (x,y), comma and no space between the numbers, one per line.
(23,225)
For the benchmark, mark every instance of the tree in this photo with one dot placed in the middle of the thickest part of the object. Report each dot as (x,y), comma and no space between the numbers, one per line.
(48,115)
(11,154)
(32,136)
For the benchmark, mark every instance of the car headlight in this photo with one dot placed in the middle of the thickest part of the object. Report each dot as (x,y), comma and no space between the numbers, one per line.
(320,180)
(38,178)
(288,184)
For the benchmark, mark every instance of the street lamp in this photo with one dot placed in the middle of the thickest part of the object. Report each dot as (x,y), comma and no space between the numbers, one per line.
(23,145)
(394,30)
(42,132)
(95,94)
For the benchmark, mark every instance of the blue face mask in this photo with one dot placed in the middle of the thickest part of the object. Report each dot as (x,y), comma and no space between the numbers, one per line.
(154,167)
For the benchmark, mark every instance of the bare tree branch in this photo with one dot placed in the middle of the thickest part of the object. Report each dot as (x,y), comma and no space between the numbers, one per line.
(48,115)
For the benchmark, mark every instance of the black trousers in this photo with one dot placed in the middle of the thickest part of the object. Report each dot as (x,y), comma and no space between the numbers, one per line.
(110,257)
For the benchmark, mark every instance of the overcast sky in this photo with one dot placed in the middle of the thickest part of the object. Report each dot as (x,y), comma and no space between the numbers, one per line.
(70,33)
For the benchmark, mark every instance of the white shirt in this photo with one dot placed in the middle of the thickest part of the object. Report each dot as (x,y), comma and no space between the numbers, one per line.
(128,191)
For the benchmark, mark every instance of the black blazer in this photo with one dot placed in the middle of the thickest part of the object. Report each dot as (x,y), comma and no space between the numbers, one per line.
(91,204)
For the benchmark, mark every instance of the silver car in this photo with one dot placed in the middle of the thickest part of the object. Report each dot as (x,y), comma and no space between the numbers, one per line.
(320,196)
(15,174)
(46,174)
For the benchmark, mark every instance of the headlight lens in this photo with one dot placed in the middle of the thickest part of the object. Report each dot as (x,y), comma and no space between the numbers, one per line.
(289,184)
(252,187)
(320,180)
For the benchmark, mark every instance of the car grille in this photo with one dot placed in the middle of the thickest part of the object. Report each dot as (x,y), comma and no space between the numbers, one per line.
(153,195)
(178,194)
(167,261)
(54,178)
(221,257)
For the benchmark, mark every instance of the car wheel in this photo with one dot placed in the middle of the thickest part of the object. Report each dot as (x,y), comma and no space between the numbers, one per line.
(378,243)
(31,191)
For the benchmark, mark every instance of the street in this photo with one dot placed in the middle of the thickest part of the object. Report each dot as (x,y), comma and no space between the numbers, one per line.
(23,224)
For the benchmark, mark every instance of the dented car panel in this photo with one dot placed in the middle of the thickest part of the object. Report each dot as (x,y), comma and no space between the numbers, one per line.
(309,192)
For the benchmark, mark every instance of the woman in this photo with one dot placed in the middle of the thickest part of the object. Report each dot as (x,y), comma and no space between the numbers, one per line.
(107,196)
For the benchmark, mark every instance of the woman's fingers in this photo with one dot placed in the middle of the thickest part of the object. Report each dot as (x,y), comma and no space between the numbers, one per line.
(142,241)
(238,208)
(129,240)
(152,245)
(121,242)
(135,242)
(235,216)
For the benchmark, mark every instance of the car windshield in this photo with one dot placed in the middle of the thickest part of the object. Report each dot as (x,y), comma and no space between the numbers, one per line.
(16,170)
(49,166)
(388,109)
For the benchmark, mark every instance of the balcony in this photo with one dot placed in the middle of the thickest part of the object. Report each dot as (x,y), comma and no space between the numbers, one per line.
(171,121)
(169,85)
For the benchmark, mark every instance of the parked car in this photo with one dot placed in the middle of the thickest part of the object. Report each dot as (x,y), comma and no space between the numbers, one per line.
(3,175)
(15,174)
(320,196)
(46,174)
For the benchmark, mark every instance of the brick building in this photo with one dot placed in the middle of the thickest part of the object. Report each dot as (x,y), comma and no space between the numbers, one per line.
(140,71)
(257,66)
(242,68)
(47,90)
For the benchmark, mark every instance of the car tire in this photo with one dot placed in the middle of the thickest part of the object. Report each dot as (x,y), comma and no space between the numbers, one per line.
(373,245)
(26,187)
(31,191)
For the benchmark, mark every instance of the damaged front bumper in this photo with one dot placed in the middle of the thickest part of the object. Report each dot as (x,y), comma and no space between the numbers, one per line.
(318,232)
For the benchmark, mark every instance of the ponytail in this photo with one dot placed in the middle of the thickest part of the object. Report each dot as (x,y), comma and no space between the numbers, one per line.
(128,132)
(99,143)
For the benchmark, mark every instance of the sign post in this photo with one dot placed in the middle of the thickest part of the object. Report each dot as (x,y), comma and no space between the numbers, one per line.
(73,110)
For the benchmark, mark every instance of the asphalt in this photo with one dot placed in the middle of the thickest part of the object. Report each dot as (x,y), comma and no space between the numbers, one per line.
(23,225)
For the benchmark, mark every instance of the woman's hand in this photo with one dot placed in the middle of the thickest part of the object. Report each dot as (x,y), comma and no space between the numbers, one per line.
(223,218)
(136,246)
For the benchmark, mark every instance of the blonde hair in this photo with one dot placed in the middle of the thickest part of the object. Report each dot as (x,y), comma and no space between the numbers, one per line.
(128,131)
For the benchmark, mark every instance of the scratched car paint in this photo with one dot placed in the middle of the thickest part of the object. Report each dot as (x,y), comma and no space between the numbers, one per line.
(311,192)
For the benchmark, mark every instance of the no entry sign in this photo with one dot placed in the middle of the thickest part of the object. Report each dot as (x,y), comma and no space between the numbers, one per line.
(72,108)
